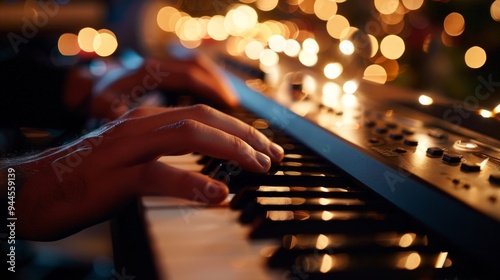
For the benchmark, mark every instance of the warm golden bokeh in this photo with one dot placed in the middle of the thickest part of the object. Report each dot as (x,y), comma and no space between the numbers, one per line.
(346,47)
(86,38)
(336,24)
(333,70)
(307,58)
(68,44)
(392,47)
(215,28)
(105,44)
(413,4)
(386,7)
(268,57)
(277,43)
(310,45)
(475,57)
(454,24)
(167,17)
(425,100)
(266,5)
(375,73)
(325,9)
(292,48)
(495,10)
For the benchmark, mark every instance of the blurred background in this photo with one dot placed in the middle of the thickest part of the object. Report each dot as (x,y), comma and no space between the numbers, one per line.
(437,48)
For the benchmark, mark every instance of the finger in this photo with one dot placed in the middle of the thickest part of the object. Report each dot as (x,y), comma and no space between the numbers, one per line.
(219,120)
(184,137)
(162,179)
(217,80)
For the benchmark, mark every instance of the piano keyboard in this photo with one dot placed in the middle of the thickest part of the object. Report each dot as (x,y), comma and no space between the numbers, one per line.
(305,219)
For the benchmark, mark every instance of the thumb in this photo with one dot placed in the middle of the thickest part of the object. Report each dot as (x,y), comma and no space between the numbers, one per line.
(163,179)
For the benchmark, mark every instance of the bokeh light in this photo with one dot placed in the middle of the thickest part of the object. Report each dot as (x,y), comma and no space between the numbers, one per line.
(346,47)
(412,4)
(105,44)
(277,43)
(307,58)
(336,24)
(386,7)
(310,45)
(350,87)
(215,28)
(253,49)
(454,24)
(268,57)
(425,99)
(86,39)
(292,48)
(475,57)
(333,70)
(266,5)
(495,10)
(325,9)
(68,44)
(167,17)
(375,73)
(392,46)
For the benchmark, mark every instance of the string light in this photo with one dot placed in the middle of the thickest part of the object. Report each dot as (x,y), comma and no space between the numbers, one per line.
(390,25)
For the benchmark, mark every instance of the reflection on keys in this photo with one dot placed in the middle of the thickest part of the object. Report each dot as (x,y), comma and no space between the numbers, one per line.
(291,223)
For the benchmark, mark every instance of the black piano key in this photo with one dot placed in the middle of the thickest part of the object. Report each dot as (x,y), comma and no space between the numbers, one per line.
(360,237)
(304,158)
(246,195)
(291,148)
(246,179)
(236,178)
(211,164)
(276,224)
(294,246)
(261,205)
(376,265)
(302,167)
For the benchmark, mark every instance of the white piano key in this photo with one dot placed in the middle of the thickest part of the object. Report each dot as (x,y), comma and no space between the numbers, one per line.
(194,242)
(184,162)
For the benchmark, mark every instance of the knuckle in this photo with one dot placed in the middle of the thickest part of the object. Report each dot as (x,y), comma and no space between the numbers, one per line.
(137,112)
(254,138)
(187,127)
(240,145)
(202,110)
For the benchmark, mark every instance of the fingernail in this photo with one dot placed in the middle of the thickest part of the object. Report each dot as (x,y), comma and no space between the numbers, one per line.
(277,151)
(263,160)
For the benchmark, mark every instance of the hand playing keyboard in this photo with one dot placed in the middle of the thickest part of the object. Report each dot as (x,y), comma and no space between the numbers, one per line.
(88,180)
